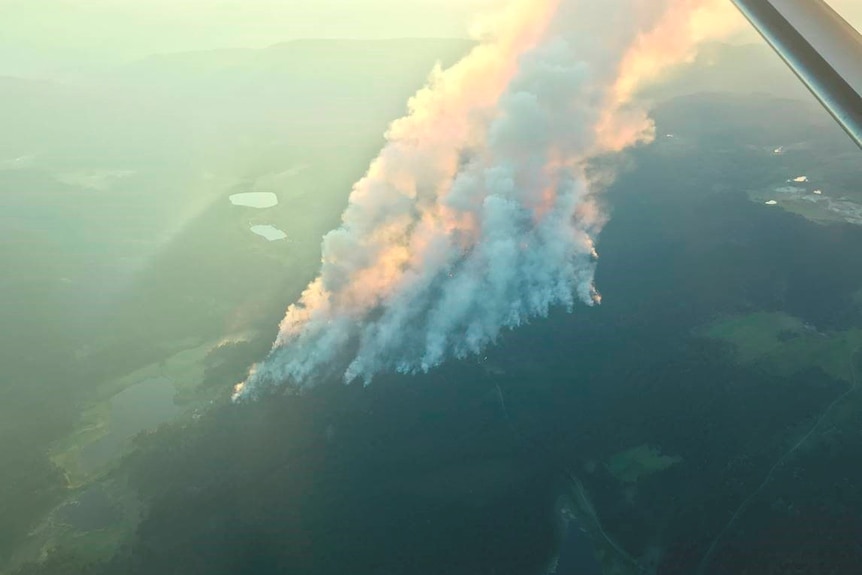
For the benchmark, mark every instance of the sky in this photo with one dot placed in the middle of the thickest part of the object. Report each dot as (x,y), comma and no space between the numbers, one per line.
(37,35)
(33,32)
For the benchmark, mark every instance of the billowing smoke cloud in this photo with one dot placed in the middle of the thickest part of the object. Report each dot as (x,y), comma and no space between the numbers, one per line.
(478,215)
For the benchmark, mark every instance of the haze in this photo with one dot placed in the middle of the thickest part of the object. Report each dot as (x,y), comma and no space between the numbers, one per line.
(168,169)
(38,37)
(42,35)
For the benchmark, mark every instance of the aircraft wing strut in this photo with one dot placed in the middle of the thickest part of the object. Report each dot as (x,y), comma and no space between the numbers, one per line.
(822,48)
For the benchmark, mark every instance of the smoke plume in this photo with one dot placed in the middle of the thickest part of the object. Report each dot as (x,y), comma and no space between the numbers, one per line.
(478,215)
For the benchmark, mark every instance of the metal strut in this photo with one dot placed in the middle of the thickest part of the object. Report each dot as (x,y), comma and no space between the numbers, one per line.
(821,48)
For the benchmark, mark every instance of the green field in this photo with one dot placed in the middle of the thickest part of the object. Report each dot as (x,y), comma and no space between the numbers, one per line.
(785,345)
(632,465)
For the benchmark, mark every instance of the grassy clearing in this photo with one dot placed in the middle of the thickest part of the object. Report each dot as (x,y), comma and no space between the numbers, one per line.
(785,345)
(54,533)
(65,454)
(756,335)
(811,211)
(634,464)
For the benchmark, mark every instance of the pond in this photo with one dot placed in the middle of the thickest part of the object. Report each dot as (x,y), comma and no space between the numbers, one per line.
(259,200)
(271,233)
(90,511)
(138,408)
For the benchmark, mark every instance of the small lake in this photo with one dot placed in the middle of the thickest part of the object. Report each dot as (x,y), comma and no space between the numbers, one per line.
(271,233)
(259,200)
(92,510)
(143,406)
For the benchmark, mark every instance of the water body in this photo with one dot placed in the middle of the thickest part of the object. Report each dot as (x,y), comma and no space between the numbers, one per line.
(91,511)
(259,200)
(143,406)
(271,233)
(95,180)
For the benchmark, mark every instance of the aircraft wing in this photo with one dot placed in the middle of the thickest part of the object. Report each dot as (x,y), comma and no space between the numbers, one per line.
(822,48)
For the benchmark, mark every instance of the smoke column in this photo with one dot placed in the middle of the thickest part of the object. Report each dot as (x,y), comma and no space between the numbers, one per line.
(477,215)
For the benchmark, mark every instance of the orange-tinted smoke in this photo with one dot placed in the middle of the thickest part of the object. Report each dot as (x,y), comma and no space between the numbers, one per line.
(444,117)
(685,25)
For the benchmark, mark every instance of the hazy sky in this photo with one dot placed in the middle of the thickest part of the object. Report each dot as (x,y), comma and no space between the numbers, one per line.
(37,34)
(124,29)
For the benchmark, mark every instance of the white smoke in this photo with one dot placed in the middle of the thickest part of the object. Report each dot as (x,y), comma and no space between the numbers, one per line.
(477,215)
